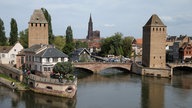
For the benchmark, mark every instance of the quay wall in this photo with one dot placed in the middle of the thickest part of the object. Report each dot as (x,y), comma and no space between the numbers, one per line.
(52,86)
(11,72)
(155,72)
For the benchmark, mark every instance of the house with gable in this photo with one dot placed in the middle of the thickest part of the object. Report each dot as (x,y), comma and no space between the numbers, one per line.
(8,53)
(80,55)
(45,60)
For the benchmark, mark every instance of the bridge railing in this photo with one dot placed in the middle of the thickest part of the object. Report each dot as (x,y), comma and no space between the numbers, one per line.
(11,69)
(50,80)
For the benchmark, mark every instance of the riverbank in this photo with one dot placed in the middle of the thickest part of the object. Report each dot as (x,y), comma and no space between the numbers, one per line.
(7,81)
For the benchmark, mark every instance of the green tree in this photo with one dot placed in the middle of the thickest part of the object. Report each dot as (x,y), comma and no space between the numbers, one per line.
(59,42)
(50,31)
(23,38)
(63,68)
(80,44)
(69,46)
(69,35)
(14,32)
(127,46)
(3,39)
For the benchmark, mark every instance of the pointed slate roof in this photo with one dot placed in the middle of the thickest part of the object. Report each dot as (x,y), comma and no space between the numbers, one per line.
(155,21)
(38,17)
(51,52)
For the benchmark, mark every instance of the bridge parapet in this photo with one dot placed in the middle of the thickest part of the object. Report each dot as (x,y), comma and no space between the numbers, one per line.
(173,65)
(97,67)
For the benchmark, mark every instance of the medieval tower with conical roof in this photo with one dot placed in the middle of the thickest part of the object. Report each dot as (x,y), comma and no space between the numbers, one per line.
(38,29)
(154,38)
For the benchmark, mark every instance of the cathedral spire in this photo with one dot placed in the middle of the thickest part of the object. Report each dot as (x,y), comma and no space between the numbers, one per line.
(90,28)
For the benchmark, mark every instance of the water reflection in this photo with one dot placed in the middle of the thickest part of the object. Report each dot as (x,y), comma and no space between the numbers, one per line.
(121,90)
(29,99)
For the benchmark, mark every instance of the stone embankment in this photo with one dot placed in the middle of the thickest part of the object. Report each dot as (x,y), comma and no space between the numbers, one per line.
(12,84)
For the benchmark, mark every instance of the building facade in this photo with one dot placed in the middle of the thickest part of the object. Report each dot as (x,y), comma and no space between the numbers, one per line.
(38,29)
(154,43)
(8,53)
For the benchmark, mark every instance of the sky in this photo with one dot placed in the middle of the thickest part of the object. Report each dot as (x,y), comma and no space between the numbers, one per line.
(108,16)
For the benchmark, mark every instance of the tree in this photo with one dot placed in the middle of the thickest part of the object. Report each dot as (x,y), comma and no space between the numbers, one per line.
(48,18)
(63,68)
(79,44)
(14,32)
(23,38)
(127,46)
(3,39)
(69,46)
(69,35)
(116,45)
(59,42)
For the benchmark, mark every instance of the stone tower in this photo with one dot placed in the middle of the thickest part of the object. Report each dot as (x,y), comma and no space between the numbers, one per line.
(154,41)
(38,29)
(90,29)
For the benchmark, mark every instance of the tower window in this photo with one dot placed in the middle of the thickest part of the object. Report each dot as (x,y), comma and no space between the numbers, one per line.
(36,24)
(154,57)
(44,25)
(160,29)
(156,29)
(163,29)
(153,29)
(40,25)
(32,24)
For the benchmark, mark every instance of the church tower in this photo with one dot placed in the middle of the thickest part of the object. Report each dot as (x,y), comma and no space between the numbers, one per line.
(38,29)
(154,41)
(90,29)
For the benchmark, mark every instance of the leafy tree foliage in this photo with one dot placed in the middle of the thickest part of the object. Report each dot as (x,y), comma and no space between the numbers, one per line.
(59,42)
(127,46)
(80,44)
(14,32)
(63,68)
(116,45)
(24,38)
(3,39)
(50,31)
(69,35)
(69,46)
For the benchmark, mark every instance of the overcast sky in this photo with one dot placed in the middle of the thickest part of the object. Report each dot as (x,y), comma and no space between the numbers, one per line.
(109,16)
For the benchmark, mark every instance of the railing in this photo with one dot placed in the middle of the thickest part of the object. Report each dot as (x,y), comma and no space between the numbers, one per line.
(12,69)
(50,80)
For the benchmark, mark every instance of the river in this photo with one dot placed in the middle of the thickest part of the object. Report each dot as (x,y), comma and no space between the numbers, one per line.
(110,91)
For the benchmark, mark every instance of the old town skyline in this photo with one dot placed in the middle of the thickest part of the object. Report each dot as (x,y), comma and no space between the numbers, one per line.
(127,17)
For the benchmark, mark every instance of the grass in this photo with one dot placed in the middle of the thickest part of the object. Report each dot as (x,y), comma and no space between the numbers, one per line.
(21,84)
(7,77)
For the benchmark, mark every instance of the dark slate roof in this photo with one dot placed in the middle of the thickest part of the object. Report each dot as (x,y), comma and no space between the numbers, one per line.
(5,49)
(181,37)
(171,38)
(79,51)
(51,52)
(155,21)
(38,17)
(35,47)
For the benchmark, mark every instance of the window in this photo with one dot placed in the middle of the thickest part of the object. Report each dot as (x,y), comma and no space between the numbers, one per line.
(3,55)
(55,59)
(160,57)
(45,68)
(31,24)
(44,25)
(48,69)
(36,24)
(156,29)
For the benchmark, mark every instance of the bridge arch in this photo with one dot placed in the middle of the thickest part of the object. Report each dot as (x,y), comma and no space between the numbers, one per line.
(120,68)
(96,67)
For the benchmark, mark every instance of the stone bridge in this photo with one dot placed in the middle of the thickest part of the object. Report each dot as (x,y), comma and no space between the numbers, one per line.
(173,65)
(97,67)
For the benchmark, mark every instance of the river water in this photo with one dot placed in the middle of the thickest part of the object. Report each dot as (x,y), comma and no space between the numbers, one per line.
(110,91)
